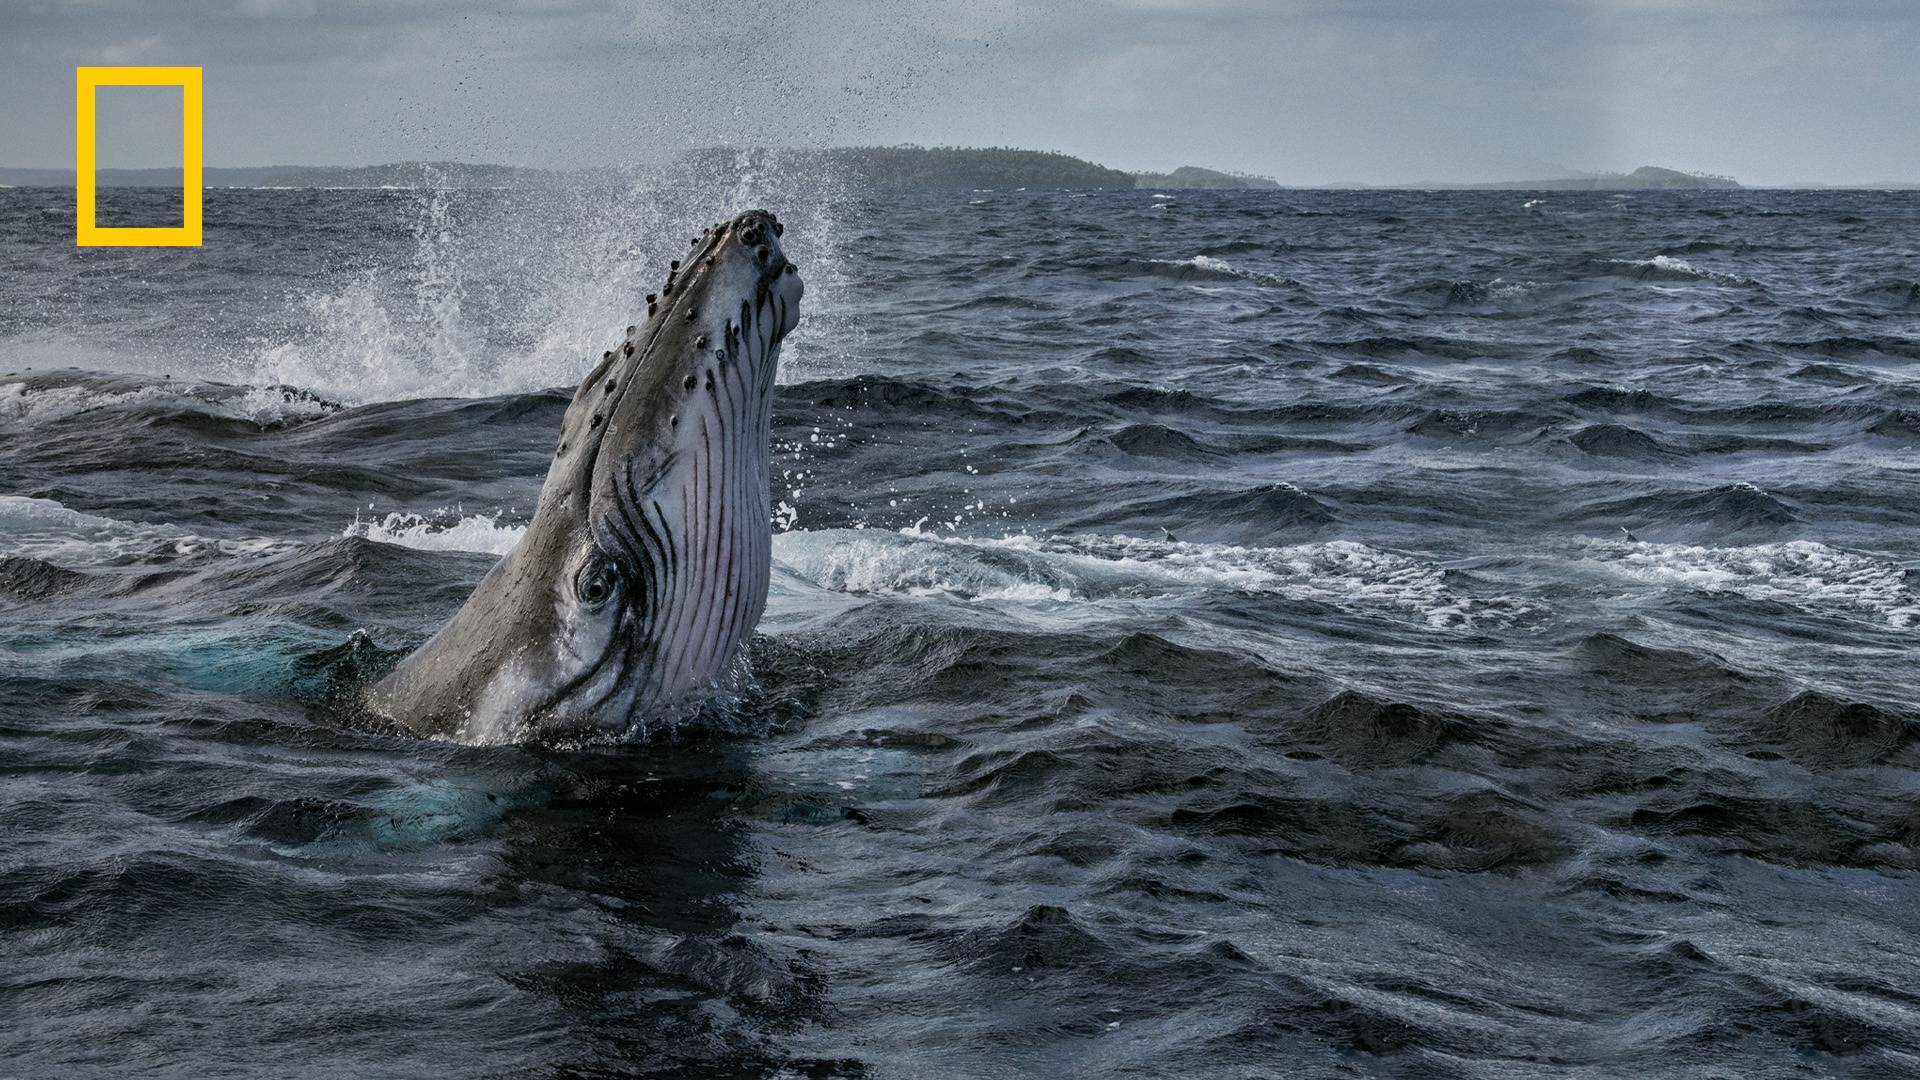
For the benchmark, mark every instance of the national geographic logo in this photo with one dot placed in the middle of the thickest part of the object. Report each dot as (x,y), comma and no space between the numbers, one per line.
(87,82)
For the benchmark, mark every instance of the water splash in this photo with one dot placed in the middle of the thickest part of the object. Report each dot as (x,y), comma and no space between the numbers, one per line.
(481,533)
(515,291)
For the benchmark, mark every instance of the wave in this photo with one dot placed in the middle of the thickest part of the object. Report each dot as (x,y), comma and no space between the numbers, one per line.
(1896,293)
(1147,442)
(1457,293)
(1617,399)
(1624,660)
(1248,515)
(913,563)
(47,530)
(1417,344)
(1825,733)
(1832,375)
(1079,568)
(1371,375)
(406,816)
(1052,569)
(1729,507)
(1154,399)
(481,533)
(1704,246)
(1361,731)
(1812,314)
(1667,268)
(53,397)
(1902,426)
(1196,268)
(1498,424)
(1801,573)
(1467,829)
(1240,247)
(1619,440)
(910,396)
(1622,441)
(1750,414)
(233,657)
(1848,345)
(23,577)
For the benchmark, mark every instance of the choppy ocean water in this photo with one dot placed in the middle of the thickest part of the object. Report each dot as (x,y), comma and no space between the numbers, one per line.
(1239,634)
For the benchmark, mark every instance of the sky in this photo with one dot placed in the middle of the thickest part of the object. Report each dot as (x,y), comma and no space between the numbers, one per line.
(1305,91)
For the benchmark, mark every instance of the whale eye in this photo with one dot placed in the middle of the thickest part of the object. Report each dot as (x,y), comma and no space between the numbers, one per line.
(594,584)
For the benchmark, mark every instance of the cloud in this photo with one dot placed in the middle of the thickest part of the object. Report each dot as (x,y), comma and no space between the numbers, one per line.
(135,50)
(1126,79)
(1189,6)
(277,9)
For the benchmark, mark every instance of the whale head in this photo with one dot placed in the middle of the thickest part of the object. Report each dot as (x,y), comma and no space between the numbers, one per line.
(645,566)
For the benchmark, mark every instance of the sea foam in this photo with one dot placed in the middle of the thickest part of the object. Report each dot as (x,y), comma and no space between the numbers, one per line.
(1800,573)
(480,533)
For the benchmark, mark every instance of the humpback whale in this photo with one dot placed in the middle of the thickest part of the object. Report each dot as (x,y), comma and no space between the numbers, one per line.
(645,565)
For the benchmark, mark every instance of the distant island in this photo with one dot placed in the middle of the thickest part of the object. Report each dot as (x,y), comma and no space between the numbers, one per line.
(880,168)
(953,168)
(1193,176)
(1644,178)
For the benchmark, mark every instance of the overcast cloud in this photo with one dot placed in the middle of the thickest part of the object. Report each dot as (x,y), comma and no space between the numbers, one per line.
(1307,91)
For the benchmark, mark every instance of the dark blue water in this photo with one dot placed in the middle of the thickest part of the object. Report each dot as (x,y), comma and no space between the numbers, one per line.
(1240,634)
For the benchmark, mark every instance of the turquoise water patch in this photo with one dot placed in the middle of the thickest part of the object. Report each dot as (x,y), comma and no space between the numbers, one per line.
(408,817)
(226,659)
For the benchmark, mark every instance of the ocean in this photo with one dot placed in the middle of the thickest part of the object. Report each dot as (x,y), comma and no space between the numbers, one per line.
(1213,634)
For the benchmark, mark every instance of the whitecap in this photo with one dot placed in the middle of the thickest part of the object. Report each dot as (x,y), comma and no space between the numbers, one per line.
(26,405)
(1211,265)
(48,530)
(1678,267)
(1079,569)
(482,533)
(1800,573)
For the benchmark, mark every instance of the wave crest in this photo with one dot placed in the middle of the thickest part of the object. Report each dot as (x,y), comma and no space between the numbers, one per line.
(1801,573)
(480,533)
(1080,568)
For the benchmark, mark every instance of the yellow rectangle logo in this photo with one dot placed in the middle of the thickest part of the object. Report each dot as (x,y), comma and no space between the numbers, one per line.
(87,81)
